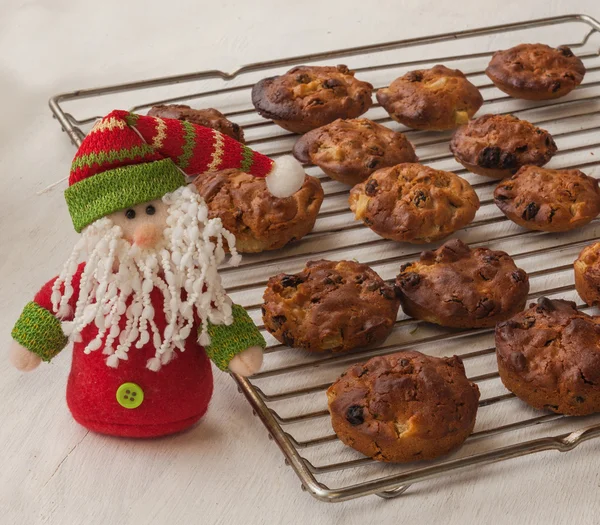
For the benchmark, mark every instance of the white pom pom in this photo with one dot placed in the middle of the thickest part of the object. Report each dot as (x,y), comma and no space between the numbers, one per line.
(286,177)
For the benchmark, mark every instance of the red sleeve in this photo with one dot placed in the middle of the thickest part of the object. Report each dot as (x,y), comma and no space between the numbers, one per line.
(38,329)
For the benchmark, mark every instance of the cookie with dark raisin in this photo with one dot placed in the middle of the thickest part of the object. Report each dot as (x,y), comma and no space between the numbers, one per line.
(307,97)
(498,145)
(209,118)
(587,274)
(330,305)
(414,203)
(536,71)
(458,287)
(350,150)
(549,200)
(404,407)
(549,356)
(431,99)
(259,220)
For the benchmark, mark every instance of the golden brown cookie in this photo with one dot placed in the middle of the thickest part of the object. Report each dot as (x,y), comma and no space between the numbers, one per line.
(307,97)
(536,71)
(209,118)
(549,200)
(259,220)
(498,145)
(350,150)
(404,407)
(462,288)
(435,99)
(587,274)
(549,356)
(414,203)
(330,305)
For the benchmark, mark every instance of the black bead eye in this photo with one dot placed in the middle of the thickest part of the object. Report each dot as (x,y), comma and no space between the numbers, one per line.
(150,210)
(130,214)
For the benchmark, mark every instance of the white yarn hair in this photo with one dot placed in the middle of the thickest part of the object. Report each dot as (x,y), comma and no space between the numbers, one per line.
(118,278)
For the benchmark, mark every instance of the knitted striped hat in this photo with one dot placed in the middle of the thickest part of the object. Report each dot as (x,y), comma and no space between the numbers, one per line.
(128,159)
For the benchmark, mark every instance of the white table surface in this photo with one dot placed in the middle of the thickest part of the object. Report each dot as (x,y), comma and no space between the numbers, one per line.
(224,471)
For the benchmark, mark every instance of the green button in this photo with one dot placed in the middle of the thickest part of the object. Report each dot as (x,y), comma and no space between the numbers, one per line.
(130,395)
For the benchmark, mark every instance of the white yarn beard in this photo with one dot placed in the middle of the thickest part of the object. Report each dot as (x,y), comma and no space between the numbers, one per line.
(118,278)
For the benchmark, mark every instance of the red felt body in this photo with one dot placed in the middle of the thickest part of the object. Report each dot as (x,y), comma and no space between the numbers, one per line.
(175,397)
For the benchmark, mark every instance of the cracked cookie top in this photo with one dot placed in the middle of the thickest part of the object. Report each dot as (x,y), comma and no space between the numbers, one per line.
(414,203)
(259,220)
(549,200)
(209,118)
(432,99)
(498,145)
(549,356)
(350,150)
(329,305)
(536,71)
(458,287)
(307,97)
(404,407)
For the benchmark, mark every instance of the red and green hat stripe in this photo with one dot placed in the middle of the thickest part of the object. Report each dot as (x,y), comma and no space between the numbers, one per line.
(133,158)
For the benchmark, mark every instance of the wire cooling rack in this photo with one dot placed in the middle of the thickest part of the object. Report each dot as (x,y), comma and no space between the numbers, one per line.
(289,394)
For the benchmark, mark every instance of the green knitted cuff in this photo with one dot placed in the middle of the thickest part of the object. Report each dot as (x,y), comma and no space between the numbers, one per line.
(39,331)
(98,196)
(229,341)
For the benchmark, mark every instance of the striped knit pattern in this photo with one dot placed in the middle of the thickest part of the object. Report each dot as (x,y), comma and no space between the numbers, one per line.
(228,341)
(39,331)
(123,139)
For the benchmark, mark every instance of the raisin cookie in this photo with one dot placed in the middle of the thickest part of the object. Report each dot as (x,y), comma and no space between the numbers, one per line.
(209,118)
(432,99)
(307,97)
(330,305)
(350,150)
(536,71)
(458,287)
(414,203)
(549,200)
(498,145)
(259,220)
(404,407)
(549,356)
(587,274)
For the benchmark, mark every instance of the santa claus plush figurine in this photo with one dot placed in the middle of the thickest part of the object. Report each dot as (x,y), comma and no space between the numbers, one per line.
(147,310)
